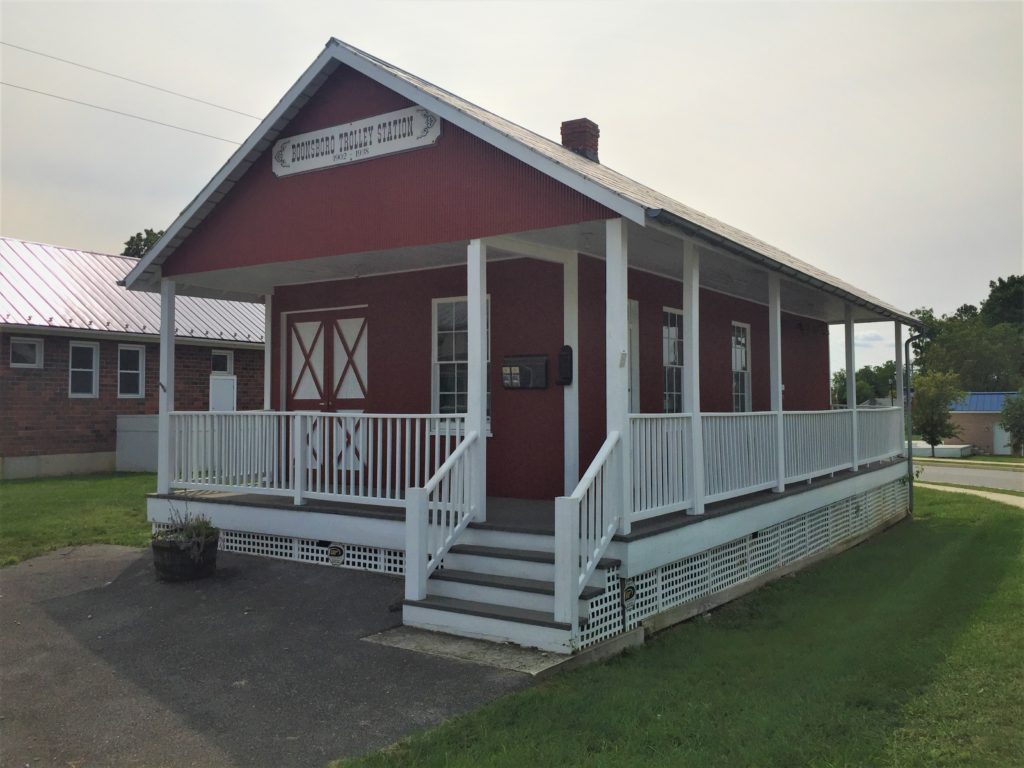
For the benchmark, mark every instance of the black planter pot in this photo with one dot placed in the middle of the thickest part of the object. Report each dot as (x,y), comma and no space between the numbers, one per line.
(184,561)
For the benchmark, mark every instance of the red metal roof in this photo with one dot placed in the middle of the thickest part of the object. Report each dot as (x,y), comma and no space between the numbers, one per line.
(45,286)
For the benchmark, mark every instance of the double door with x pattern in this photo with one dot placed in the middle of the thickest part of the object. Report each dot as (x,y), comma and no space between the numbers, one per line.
(327,355)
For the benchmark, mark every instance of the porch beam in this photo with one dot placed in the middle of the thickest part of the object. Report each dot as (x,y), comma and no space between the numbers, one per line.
(775,365)
(851,381)
(571,392)
(617,363)
(476,399)
(166,388)
(691,372)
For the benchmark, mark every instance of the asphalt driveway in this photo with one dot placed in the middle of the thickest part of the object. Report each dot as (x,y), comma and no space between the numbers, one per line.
(1011,478)
(263,665)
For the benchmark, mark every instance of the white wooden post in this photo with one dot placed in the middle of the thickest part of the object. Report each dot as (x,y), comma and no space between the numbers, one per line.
(900,395)
(617,363)
(416,544)
(851,383)
(571,392)
(775,365)
(476,399)
(164,446)
(299,456)
(268,314)
(567,543)
(691,373)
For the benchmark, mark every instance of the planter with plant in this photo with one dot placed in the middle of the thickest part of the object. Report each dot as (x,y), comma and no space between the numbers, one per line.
(186,549)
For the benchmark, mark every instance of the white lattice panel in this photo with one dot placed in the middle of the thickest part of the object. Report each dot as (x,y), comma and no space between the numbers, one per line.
(605,612)
(645,601)
(717,569)
(728,564)
(263,544)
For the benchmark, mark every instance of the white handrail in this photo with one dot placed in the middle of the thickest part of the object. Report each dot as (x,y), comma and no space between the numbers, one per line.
(660,448)
(437,514)
(585,523)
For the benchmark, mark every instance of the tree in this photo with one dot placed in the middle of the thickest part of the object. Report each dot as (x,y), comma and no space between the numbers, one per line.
(137,245)
(933,394)
(873,381)
(1012,420)
(1005,302)
(987,358)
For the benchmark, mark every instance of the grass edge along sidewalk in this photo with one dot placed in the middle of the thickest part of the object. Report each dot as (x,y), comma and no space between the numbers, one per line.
(903,651)
(41,515)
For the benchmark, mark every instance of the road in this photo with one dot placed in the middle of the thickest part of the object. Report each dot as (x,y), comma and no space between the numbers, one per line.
(985,478)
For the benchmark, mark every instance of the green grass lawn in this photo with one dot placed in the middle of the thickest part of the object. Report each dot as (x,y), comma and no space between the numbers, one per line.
(38,516)
(1019,460)
(904,651)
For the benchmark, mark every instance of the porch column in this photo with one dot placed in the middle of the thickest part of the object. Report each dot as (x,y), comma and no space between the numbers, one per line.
(617,363)
(166,388)
(898,333)
(571,392)
(775,365)
(476,400)
(691,373)
(851,383)
(268,361)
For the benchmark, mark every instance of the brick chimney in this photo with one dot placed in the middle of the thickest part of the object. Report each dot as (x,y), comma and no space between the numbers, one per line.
(581,137)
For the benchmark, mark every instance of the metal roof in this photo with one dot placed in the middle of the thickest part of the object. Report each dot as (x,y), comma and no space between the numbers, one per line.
(45,286)
(612,189)
(982,402)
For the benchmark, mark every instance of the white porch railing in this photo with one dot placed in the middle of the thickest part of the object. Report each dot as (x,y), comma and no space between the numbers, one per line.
(739,453)
(364,458)
(584,525)
(660,445)
(879,433)
(436,514)
(817,443)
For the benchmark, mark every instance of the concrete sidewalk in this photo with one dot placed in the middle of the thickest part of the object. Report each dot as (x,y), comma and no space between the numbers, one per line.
(262,665)
(1002,498)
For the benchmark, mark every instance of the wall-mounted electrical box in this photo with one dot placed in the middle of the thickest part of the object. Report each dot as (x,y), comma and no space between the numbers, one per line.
(525,372)
(564,366)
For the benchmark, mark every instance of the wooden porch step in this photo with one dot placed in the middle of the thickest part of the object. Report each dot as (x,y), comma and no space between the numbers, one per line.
(507,582)
(529,555)
(489,611)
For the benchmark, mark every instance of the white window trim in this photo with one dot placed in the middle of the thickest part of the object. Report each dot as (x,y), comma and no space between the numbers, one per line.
(435,384)
(750,366)
(142,372)
(95,347)
(230,353)
(682,319)
(36,342)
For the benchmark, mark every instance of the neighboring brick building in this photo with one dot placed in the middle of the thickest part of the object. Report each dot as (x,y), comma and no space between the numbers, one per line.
(58,411)
(977,417)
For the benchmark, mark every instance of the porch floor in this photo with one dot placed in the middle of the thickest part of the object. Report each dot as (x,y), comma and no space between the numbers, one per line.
(527,515)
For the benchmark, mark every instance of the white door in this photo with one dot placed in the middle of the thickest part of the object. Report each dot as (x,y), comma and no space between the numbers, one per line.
(223,389)
(1000,441)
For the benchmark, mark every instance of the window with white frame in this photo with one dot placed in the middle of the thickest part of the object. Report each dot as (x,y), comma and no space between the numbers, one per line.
(26,353)
(741,367)
(222,361)
(450,356)
(84,369)
(672,359)
(131,370)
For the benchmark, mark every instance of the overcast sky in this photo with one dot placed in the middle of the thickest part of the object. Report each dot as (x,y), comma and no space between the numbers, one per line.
(880,141)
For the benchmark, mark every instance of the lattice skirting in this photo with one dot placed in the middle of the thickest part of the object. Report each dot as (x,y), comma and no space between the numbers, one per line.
(356,556)
(717,569)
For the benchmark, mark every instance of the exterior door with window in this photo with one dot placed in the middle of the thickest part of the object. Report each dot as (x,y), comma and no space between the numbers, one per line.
(326,360)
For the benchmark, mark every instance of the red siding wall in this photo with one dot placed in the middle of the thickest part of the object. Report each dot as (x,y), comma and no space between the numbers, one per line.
(525,451)
(458,189)
(38,418)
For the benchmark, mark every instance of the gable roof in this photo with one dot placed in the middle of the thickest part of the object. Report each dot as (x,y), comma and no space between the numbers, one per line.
(982,402)
(45,286)
(628,198)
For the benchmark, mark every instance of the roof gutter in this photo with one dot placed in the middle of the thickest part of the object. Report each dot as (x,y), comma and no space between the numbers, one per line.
(713,238)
